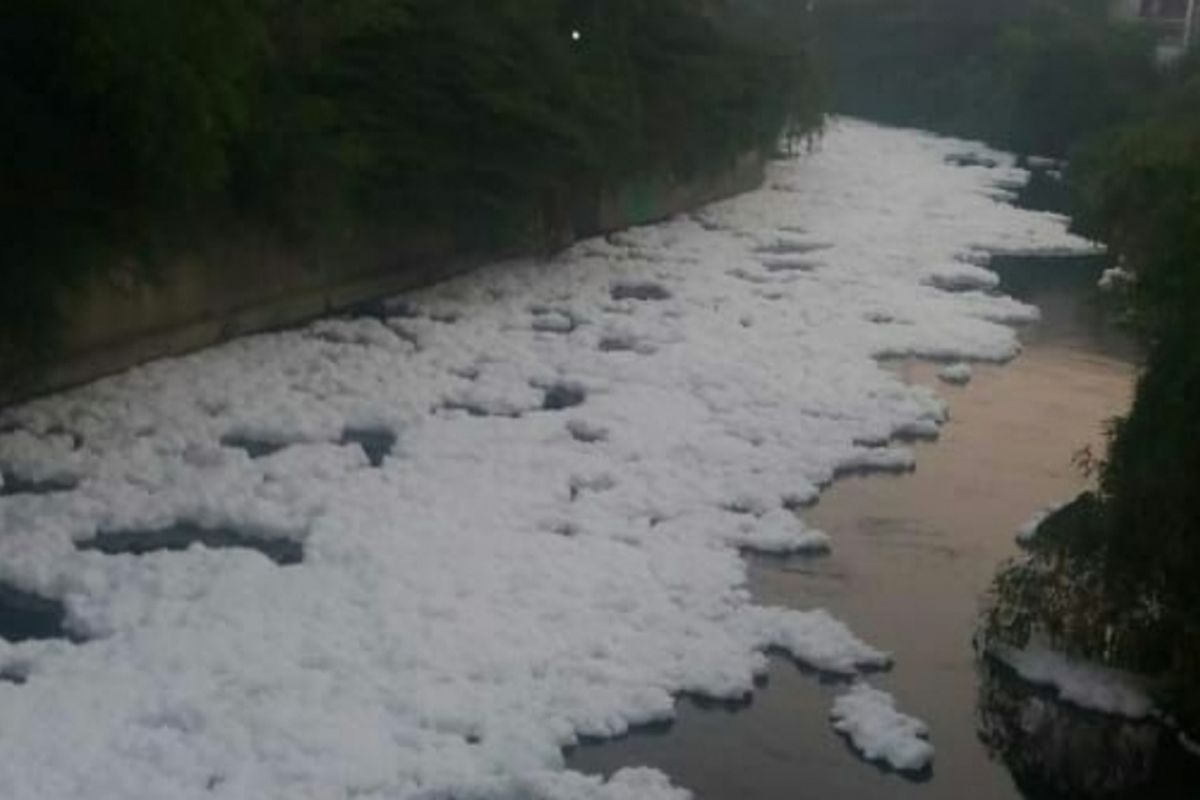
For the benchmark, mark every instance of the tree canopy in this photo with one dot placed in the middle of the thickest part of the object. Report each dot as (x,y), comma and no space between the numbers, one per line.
(133,126)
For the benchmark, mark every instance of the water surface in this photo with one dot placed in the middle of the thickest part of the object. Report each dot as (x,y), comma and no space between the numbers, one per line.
(912,557)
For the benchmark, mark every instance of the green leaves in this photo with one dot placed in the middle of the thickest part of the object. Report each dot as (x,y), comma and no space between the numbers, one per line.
(490,115)
(118,118)
(131,125)
(1038,76)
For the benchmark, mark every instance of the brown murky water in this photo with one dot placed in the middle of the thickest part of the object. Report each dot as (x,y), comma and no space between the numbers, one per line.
(912,557)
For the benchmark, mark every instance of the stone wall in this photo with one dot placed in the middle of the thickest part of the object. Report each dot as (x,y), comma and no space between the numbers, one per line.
(247,284)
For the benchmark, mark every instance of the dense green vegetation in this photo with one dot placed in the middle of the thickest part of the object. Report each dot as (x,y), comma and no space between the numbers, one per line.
(136,128)
(1115,573)
(1031,75)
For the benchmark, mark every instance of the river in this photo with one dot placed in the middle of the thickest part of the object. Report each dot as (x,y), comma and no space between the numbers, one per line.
(913,557)
(420,551)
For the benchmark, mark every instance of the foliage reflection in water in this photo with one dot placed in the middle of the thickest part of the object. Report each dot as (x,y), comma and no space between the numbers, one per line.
(1056,751)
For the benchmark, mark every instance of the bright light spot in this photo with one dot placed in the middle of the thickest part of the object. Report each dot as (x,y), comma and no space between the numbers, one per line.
(576,36)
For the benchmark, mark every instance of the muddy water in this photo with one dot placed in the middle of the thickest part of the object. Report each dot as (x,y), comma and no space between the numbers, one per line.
(912,557)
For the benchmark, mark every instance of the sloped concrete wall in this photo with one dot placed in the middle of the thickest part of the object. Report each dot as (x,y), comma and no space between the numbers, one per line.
(247,285)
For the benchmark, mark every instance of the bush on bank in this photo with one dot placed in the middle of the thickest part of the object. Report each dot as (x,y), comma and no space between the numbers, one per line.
(1114,575)
(1034,76)
(136,128)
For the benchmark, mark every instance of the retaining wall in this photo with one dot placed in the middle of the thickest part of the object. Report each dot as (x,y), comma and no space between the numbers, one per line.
(247,284)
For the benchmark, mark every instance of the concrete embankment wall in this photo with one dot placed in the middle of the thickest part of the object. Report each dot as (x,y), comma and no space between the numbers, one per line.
(247,284)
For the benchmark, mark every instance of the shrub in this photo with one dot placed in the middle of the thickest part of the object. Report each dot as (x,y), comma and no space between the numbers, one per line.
(136,128)
(1113,576)
(1034,75)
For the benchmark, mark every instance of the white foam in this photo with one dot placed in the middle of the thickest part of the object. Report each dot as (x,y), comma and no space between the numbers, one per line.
(958,374)
(510,578)
(1029,529)
(1079,682)
(869,719)
(1115,278)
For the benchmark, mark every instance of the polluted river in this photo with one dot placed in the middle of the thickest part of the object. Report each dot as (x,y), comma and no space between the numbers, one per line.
(637,522)
(916,554)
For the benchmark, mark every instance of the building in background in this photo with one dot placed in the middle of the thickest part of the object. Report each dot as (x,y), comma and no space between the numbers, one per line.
(1173,20)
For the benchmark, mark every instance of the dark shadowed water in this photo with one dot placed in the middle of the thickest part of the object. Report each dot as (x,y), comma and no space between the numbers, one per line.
(912,557)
